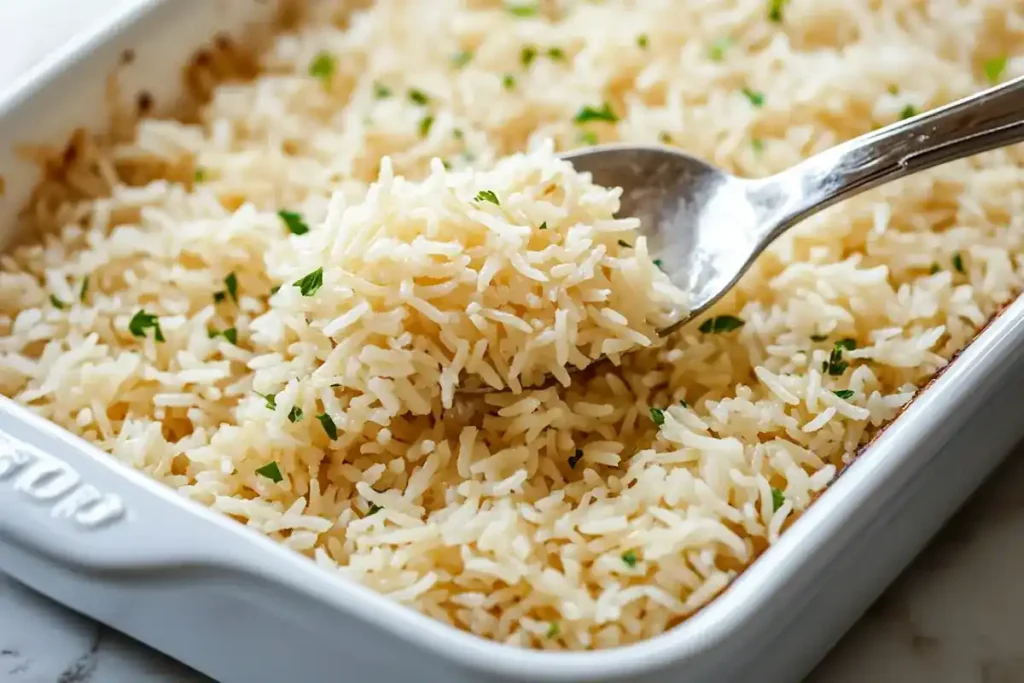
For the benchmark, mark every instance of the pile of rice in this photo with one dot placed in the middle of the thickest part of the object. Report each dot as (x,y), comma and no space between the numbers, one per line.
(299,371)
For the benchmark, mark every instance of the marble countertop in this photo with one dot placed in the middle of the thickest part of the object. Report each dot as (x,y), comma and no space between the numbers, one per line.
(956,616)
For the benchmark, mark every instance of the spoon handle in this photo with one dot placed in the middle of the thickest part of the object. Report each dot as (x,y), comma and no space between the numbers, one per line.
(984,121)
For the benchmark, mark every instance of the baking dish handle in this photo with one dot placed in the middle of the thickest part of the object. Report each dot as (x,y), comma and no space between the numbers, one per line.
(63,501)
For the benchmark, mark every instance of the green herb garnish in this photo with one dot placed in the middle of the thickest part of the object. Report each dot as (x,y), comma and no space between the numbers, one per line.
(327,423)
(527,55)
(683,403)
(629,559)
(521,11)
(543,226)
(143,321)
(756,98)
(199,175)
(819,337)
(322,66)
(418,97)
(775,8)
(426,123)
(294,222)
(758,145)
(85,288)
(57,303)
(373,509)
(848,344)
(275,289)
(908,112)
(270,399)
(664,138)
(575,458)
(487,196)
(720,324)
(589,113)
(778,498)
(958,263)
(556,53)
(844,393)
(657,416)
(835,365)
(893,89)
(508,81)
(311,282)
(718,49)
(587,137)
(994,68)
(461,59)
(220,297)
(642,41)
(625,245)
(295,414)
(231,282)
(658,262)
(271,471)
(381,91)
(934,269)
(230,334)
(552,629)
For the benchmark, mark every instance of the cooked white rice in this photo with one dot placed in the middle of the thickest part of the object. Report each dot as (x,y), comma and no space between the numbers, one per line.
(553,518)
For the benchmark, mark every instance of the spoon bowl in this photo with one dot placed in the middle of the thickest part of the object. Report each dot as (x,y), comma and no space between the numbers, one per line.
(707,226)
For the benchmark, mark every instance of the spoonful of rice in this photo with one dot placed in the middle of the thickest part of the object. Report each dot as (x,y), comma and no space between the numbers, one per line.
(706,227)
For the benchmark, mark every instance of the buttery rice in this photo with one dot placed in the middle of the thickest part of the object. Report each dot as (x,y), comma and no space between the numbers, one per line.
(552,518)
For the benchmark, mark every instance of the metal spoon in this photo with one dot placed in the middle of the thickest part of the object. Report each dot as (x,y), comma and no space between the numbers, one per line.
(707,226)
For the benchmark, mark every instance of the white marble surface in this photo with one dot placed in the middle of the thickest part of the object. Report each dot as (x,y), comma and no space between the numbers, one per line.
(957,616)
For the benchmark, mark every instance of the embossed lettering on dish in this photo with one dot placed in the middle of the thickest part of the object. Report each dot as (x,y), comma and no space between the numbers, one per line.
(50,481)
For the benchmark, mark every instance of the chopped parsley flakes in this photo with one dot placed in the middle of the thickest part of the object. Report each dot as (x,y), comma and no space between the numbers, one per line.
(295,414)
(220,297)
(908,112)
(587,137)
(85,288)
(294,222)
(756,98)
(664,138)
(775,8)
(657,416)
(819,337)
(381,91)
(934,269)
(508,81)
(527,55)
(848,344)
(322,66)
(642,41)
(556,53)
(958,263)
(543,226)
(629,559)
(271,471)
(994,68)
(426,123)
(589,113)
(720,324)
(374,509)
(658,262)
(143,321)
(487,196)
(230,334)
(625,245)
(718,49)
(327,423)
(57,303)
(419,97)
(835,365)
(270,399)
(844,393)
(461,59)
(552,629)
(231,282)
(199,175)
(757,144)
(575,458)
(310,283)
(522,10)
(778,498)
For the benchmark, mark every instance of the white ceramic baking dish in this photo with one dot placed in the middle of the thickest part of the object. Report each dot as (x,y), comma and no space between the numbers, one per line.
(105,540)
